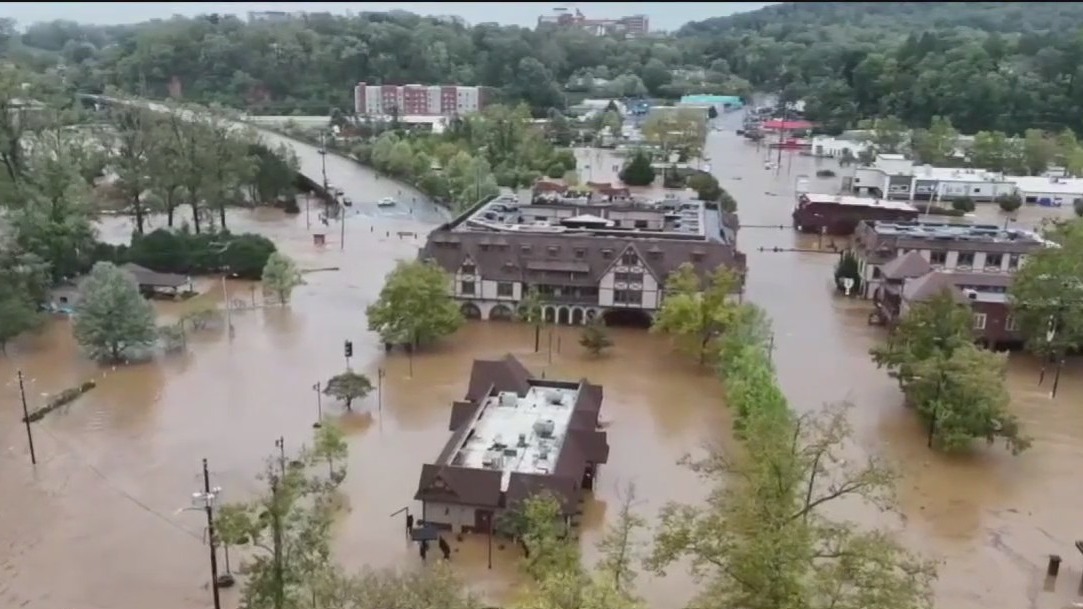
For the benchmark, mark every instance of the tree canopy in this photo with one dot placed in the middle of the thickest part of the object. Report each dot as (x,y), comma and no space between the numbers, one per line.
(112,317)
(696,312)
(414,307)
(985,66)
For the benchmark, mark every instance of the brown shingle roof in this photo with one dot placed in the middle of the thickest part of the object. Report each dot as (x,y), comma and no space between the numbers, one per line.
(526,254)
(584,443)
(935,282)
(907,266)
(148,278)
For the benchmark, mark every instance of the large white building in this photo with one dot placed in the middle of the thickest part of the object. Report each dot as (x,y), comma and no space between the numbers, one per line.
(417,100)
(893,176)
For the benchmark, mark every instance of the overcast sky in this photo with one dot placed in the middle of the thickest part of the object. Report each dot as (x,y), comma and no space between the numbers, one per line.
(663,15)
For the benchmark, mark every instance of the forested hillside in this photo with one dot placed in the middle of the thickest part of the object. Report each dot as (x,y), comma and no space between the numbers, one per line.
(1006,66)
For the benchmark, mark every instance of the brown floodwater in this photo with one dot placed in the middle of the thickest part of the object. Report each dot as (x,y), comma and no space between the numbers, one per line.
(99,522)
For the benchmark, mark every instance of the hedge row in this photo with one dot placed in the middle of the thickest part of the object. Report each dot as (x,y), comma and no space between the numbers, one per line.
(746,367)
(185,253)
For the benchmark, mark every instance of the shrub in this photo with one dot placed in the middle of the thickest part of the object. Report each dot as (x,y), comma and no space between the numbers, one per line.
(185,253)
(556,171)
(1010,202)
(1077,205)
(963,204)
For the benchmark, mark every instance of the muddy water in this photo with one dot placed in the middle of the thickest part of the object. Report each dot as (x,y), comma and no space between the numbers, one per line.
(102,510)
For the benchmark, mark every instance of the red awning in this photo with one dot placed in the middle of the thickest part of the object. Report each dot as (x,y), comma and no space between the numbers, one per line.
(780,125)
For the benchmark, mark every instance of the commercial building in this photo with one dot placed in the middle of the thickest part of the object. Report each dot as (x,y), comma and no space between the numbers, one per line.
(910,279)
(1048,191)
(893,176)
(632,25)
(838,147)
(720,103)
(513,436)
(962,248)
(418,100)
(584,258)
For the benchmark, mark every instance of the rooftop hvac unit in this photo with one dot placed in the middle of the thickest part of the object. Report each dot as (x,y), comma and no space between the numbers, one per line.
(554,397)
(545,428)
(971,294)
(509,399)
(493,459)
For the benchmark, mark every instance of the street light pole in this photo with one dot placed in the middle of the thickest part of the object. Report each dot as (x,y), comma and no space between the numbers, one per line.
(319,406)
(26,420)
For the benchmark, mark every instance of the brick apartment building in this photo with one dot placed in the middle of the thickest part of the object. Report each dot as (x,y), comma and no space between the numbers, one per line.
(418,100)
(632,25)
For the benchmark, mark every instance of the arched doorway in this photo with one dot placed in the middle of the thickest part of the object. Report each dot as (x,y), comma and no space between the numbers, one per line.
(501,313)
(550,314)
(629,318)
(470,310)
(563,316)
(577,316)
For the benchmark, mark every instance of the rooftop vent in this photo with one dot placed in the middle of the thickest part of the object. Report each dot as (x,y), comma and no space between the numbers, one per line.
(554,397)
(545,428)
(509,399)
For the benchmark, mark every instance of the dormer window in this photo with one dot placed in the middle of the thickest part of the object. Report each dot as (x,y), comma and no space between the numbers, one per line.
(553,250)
(580,252)
(468,268)
(607,253)
(629,259)
(524,250)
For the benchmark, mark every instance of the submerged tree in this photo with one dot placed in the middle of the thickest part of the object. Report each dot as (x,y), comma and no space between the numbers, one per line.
(594,338)
(762,540)
(348,386)
(112,317)
(532,311)
(696,313)
(281,276)
(414,307)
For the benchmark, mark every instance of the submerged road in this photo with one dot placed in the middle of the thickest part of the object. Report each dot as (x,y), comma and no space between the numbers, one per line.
(363,185)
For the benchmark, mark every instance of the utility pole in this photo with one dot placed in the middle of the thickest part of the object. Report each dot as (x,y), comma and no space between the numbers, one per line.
(319,406)
(229,309)
(280,444)
(26,420)
(208,497)
(276,534)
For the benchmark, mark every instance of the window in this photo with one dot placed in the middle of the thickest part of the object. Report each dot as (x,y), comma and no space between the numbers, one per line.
(505,289)
(628,277)
(1010,324)
(979,321)
(627,297)
(580,252)
(876,272)
(607,253)
(553,250)
(629,259)
(467,288)
(1013,261)
(994,260)
(938,258)
(468,268)
(965,259)
(641,224)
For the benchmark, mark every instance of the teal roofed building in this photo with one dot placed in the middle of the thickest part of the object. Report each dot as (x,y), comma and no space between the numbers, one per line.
(720,101)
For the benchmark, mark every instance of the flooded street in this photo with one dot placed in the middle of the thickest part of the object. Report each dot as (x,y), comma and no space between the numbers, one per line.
(98,523)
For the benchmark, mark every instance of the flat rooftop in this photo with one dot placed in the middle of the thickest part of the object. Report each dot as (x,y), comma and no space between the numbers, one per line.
(518,434)
(985,233)
(659,218)
(858,201)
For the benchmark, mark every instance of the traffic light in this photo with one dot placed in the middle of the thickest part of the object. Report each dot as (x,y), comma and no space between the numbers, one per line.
(349,348)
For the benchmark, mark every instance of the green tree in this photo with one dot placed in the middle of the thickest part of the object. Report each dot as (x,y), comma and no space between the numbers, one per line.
(1047,293)
(1077,207)
(638,171)
(18,314)
(594,337)
(847,268)
(888,135)
(937,144)
(682,129)
(1010,202)
(133,132)
(532,311)
(1038,151)
(956,387)
(963,204)
(112,318)
(414,307)
(706,186)
(762,539)
(281,276)
(697,313)
(330,445)
(348,386)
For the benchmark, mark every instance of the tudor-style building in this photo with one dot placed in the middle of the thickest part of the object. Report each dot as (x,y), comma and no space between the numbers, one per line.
(585,260)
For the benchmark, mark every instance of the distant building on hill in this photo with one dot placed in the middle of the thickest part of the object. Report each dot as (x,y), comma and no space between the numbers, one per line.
(632,25)
(418,100)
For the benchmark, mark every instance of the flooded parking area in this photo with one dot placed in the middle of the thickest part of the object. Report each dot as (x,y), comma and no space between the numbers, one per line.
(99,522)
